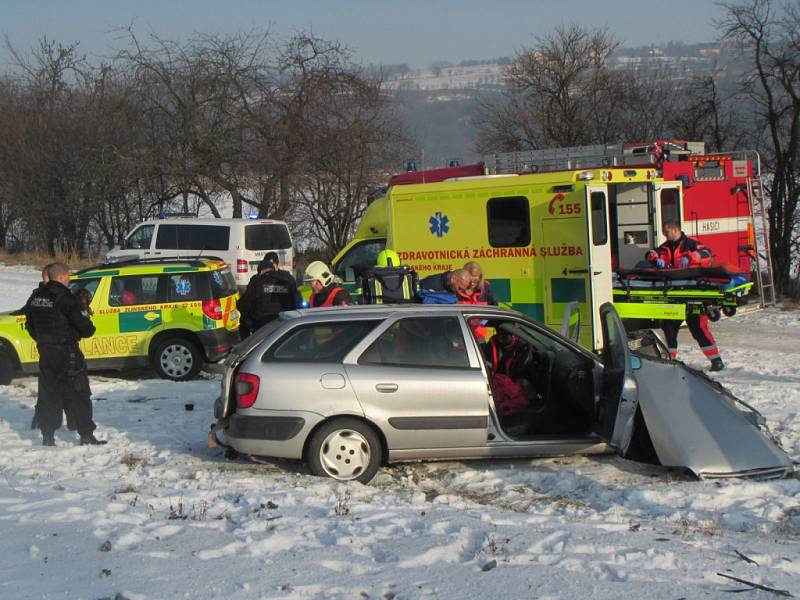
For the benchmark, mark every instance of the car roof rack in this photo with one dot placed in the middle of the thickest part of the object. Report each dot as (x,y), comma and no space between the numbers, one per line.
(192,261)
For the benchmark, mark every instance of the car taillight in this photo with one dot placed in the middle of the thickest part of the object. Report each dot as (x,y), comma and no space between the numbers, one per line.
(212,309)
(242,266)
(246,389)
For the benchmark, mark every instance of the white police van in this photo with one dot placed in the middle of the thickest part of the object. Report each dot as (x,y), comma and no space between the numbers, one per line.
(242,243)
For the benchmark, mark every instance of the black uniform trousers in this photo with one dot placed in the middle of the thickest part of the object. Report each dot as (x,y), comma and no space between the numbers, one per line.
(63,387)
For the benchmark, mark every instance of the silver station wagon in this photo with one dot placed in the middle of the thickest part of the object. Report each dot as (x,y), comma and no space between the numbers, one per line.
(349,389)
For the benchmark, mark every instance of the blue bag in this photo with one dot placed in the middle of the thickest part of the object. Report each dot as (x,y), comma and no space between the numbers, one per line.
(436,297)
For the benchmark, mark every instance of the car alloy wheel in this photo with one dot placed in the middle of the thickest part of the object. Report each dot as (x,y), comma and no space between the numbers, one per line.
(345,449)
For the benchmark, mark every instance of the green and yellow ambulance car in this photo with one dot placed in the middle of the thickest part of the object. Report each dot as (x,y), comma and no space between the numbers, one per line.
(544,240)
(171,314)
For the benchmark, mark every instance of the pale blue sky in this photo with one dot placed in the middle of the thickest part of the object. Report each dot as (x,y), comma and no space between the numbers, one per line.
(413,31)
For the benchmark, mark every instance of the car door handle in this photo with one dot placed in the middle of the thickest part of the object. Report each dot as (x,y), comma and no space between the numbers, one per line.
(575,271)
(386,388)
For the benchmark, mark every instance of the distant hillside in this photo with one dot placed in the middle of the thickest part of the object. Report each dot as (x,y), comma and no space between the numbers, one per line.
(439,102)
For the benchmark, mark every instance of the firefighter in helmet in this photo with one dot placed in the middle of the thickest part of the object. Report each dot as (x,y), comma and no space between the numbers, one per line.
(324,291)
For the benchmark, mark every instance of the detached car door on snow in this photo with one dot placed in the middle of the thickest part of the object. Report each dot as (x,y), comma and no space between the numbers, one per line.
(693,422)
(417,382)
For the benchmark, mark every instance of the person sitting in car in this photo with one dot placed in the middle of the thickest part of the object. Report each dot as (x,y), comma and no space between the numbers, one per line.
(508,358)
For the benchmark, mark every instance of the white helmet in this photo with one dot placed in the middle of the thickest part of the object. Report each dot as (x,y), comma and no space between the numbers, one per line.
(318,271)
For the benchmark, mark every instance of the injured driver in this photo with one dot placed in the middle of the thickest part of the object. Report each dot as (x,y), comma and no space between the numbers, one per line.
(510,360)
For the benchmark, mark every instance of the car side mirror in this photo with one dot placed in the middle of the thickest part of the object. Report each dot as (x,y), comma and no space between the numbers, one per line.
(636,363)
(349,274)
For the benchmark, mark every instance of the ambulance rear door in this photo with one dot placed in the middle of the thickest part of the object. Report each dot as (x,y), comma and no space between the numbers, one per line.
(564,257)
(598,246)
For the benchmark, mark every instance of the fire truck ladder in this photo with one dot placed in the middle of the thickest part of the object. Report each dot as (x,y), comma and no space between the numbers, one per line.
(764,280)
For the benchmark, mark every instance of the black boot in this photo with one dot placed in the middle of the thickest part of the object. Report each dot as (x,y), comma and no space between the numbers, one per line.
(717,364)
(48,439)
(90,440)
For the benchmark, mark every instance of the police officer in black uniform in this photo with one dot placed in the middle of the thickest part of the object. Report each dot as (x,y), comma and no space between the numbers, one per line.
(57,319)
(269,292)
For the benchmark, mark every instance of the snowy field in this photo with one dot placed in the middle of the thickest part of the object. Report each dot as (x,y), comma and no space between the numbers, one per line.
(157,514)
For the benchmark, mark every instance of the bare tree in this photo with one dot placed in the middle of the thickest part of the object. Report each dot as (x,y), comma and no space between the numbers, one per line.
(768,34)
(561,92)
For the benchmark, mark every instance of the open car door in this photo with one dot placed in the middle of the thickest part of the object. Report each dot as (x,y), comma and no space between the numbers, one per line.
(616,394)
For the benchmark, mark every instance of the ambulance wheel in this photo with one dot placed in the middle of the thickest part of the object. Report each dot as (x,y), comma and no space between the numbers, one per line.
(728,311)
(177,359)
(713,314)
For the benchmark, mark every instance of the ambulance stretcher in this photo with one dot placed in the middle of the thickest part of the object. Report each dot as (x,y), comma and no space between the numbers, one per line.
(712,290)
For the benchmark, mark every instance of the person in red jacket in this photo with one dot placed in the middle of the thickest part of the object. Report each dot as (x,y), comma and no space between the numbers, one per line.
(679,251)
(682,252)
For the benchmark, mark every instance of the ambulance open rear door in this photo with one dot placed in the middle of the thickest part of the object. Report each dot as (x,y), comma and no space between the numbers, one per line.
(599,253)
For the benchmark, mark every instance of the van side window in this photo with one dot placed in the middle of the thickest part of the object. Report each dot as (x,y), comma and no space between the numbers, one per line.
(140,239)
(193,237)
(509,221)
(267,236)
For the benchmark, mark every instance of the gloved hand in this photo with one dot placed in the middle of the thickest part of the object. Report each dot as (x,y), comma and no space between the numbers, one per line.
(660,263)
(685,262)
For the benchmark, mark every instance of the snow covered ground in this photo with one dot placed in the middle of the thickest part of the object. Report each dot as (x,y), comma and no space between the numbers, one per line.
(157,514)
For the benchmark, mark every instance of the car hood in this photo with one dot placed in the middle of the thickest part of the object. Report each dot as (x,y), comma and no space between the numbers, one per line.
(696,423)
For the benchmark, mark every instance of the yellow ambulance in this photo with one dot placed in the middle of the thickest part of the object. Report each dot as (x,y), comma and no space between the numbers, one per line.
(544,240)
(173,315)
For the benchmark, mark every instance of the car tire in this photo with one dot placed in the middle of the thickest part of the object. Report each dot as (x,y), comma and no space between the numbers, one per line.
(8,366)
(177,359)
(346,450)
(641,447)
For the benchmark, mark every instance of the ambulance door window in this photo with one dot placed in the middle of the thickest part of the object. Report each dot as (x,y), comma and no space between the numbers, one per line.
(670,209)
(599,219)
(509,222)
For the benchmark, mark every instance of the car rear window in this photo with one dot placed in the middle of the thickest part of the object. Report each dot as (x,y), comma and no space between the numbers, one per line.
(319,342)
(193,237)
(222,283)
(267,236)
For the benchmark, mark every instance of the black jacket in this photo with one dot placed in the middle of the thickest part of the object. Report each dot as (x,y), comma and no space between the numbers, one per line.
(266,295)
(438,282)
(56,316)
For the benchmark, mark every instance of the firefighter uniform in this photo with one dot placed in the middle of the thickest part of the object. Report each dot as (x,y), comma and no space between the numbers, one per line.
(57,319)
(331,295)
(687,253)
(267,294)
